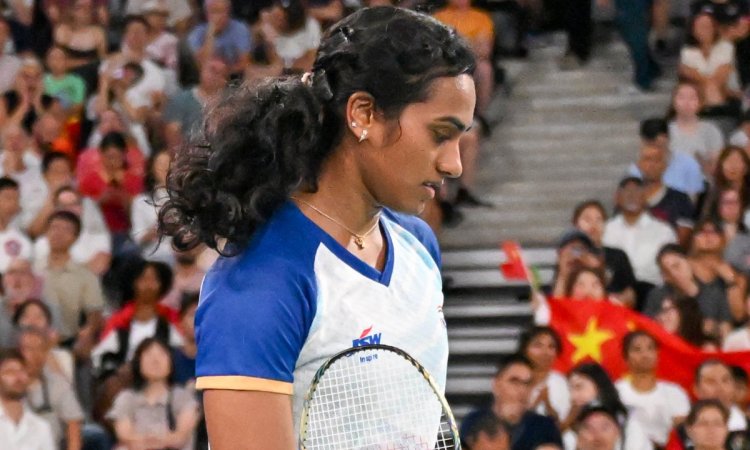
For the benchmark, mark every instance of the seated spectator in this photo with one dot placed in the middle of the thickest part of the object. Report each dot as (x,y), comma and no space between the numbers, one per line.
(162,44)
(289,40)
(138,413)
(741,387)
(574,251)
(486,433)
(38,315)
(140,318)
(18,285)
(72,288)
(636,232)
(706,425)
(589,386)
(706,259)
(589,217)
(728,209)
(20,427)
(10,64)
(683,173)
(598,428)
(93,248)
(328,12)
(681,282)
(82,37)
(184,356)
(184,110)
(113,188)
(221,36)
(713,381)
(657,405)
(549,391)
(689,134)
(510,391)
(109,121)
(27,101)
(179,12)
(188,276)
(47,135)
(741,136)
(738,340)
(708,61)
(13,242)
(732,171)
(22,165)
(145,210)
(66,87)
(682,317)
(477,27)
(665,203)
(55,10)
(49,394)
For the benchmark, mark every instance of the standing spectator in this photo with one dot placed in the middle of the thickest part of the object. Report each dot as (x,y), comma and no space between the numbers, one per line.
(139,413)
(13,243)
(66,87)
(589,217)
(665,203)
(221,36)
(20,428)
(184,110)
(475,26)
(637,233)
(683,173)
(10,64)
(658,405)
(590,386)
(681,282)
(549,392)
(113,188)
(49,394)
(290,39)
(709,266)
(688,133)
(707,425)
(27,101)
(708,61)
(71,287)
(510,390)
(145,210)
(83,39)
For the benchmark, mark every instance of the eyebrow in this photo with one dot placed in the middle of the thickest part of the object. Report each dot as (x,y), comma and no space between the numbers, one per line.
(455,122)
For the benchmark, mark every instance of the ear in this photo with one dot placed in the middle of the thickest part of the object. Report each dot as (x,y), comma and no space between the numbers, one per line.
(360,114)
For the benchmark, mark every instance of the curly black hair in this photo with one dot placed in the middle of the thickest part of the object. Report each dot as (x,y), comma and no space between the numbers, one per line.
(262,141)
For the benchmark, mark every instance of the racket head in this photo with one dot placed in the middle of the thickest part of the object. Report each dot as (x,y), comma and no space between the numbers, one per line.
(375,397)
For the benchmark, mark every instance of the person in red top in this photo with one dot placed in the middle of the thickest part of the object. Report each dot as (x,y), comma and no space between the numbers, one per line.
(113,185)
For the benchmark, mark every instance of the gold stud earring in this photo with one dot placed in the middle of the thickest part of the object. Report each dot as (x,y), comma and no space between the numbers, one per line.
(363,136)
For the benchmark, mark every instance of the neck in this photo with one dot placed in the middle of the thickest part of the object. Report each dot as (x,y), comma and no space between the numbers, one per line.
(13,408)
(144,311)
(653,187)
(500,413)
(155,389)
(631,217)
(686,120)
(538,376)
(58,259)
(643,382)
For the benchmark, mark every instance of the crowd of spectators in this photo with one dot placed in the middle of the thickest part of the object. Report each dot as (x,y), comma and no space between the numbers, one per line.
(96,313)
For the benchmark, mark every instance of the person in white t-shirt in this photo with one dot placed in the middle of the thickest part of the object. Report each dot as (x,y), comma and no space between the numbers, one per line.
(20,428)
(658,405)
(13,243)
(549,391)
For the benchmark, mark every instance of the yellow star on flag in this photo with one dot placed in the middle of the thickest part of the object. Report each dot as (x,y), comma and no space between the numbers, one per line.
(590,342)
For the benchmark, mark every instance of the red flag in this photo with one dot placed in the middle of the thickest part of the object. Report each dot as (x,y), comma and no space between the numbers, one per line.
(514,267)
(592,332)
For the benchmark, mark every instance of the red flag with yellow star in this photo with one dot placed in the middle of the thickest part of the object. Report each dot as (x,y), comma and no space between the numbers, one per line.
(592,332)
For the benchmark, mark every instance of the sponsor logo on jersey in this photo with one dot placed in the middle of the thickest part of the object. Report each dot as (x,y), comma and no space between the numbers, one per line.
(367,337)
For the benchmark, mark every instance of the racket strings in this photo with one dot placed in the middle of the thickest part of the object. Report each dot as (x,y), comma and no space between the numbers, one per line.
(376,401)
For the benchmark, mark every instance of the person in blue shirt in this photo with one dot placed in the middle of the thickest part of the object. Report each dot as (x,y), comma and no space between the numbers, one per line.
(221,36)
(307,186)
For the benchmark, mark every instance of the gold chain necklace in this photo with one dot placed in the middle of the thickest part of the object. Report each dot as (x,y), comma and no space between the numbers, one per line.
(359,239)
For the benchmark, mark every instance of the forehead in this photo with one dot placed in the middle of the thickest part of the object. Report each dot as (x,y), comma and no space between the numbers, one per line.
(516,370)
(599,419)
(448,97)
(714,371)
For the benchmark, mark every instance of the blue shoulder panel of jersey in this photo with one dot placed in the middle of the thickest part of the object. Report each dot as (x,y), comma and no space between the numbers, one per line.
(256,309)
(420,230)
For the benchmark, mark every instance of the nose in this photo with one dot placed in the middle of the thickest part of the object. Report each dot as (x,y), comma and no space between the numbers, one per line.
(449,161)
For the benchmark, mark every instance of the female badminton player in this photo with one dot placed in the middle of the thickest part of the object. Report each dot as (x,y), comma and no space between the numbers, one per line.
(308,187)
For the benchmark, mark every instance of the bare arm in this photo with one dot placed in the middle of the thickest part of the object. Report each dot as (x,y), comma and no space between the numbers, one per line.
(249,420)
(691,74)
(73,435)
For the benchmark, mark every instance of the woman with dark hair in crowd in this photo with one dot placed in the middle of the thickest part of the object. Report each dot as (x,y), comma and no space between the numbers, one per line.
(144,213)
(154,412)
(590,385)
(583,283)
(549,391)
(299,179)
(728,208)
(589,217)
(682,317)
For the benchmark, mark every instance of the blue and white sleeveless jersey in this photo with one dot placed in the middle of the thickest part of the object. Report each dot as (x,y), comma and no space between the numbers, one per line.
(269,317)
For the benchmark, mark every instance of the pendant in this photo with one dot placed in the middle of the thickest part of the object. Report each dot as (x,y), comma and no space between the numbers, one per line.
(360,243)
